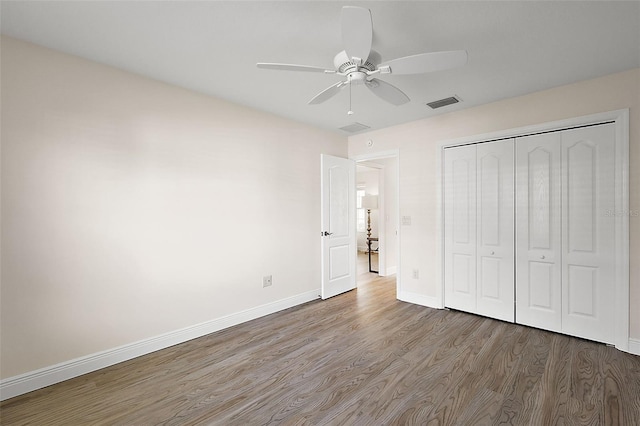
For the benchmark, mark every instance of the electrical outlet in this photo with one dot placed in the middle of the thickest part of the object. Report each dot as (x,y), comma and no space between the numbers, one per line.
(416,274)
(267,280)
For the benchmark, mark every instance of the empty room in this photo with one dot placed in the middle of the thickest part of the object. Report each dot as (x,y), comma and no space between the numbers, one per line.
(319,212)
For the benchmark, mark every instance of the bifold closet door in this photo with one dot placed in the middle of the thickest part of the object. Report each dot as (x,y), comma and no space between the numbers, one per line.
(495,232)
(565,232)
(588,232)
(479,213)
(538,238)
(460,227)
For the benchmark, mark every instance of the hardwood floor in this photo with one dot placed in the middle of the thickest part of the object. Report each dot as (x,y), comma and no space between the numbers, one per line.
(360,358)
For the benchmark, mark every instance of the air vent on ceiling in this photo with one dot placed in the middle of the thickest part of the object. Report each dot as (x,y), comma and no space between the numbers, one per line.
(443,102)
(355,127)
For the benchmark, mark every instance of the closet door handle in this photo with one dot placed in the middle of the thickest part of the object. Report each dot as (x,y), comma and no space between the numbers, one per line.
(492,253)
(542,257)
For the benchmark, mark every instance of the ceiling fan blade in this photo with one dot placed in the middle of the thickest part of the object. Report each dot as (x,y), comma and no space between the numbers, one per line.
(357,32)
(426,62)
(327,93)
(387,92)
(291,67)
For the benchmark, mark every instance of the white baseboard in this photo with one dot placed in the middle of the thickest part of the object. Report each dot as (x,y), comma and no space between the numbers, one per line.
(634,346)
(419,299)
(47,376)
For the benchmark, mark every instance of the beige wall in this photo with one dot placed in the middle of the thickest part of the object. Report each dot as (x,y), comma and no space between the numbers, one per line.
(417,143)
(131,208)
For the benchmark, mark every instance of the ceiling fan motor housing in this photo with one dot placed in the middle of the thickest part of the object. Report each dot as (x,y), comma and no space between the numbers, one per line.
(344,64)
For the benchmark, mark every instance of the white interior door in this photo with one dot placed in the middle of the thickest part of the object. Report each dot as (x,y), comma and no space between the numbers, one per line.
(538,238)
(588,232)
(338,199)
(495,216)
(460,228)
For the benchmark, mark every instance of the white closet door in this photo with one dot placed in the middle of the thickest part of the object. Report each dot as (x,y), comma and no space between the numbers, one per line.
(538,239)
(495,244)
(460,227)
(588,231)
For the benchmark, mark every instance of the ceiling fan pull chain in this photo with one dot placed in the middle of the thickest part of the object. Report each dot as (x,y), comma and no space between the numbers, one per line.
(350,112)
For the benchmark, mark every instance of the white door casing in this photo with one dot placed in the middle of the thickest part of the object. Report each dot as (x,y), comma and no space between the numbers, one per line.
(460,228)
(495,233)
(338,233)
(588,232)
(538,238)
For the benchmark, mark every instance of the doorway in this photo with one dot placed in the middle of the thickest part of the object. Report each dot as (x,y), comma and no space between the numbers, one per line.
(378,231)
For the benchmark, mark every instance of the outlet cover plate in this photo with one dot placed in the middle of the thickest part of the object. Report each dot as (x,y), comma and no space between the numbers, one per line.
(267,280)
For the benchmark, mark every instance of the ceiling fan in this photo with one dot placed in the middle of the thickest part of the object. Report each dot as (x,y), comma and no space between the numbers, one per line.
(359,63)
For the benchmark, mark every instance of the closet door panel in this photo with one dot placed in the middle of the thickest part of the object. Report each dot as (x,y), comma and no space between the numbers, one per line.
(588,230)
(538,237)
(495,215)
(460,227)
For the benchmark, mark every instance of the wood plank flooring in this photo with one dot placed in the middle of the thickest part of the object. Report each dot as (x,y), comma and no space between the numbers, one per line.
(361,358)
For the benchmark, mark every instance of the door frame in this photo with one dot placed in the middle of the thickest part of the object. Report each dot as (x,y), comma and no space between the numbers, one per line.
(621,120)
(381,155)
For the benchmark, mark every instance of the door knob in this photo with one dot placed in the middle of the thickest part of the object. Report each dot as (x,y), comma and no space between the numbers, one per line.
(542,257)
(492,253)
(326,234)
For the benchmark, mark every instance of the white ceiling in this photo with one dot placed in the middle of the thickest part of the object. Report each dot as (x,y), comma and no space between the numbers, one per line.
(212,47)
